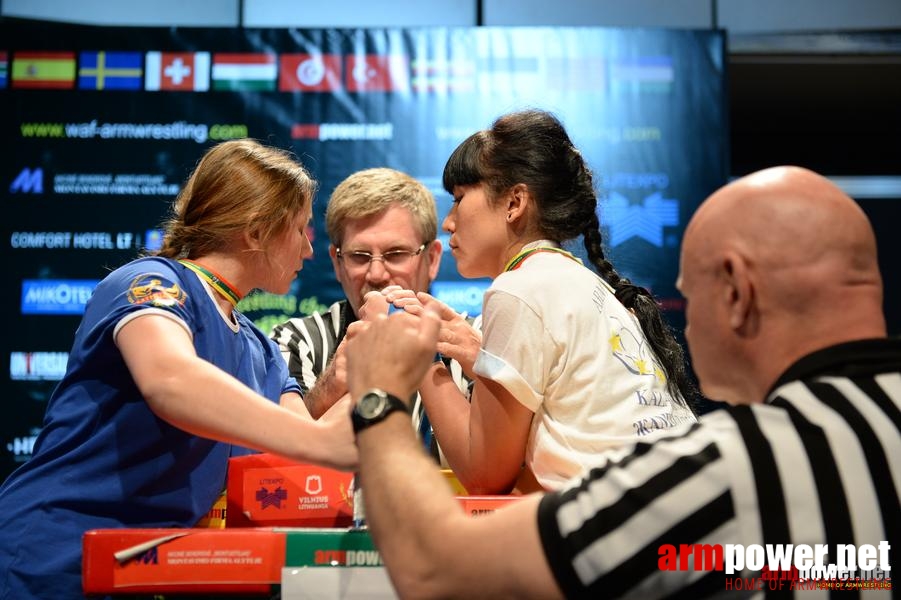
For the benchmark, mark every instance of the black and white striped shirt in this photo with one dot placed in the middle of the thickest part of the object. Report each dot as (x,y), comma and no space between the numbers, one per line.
(308,344)
(818,463)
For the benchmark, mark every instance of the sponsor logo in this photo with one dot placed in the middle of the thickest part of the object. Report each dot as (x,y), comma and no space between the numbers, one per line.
(28,181)
(273,498)
(56,296)
(22,447)
(347,558)
(645,219)
(462,296)
(325,132)
(37,366)
(77,240)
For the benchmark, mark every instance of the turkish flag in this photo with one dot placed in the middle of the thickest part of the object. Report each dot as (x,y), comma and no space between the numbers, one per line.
(377,73)
(309,72)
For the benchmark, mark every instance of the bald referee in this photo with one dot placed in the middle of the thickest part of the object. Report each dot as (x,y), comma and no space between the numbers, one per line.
(785,324)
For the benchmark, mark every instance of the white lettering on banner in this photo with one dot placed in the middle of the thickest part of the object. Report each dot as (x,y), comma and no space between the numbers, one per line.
(106,183)
(40,239)
(356,131)
(364,558)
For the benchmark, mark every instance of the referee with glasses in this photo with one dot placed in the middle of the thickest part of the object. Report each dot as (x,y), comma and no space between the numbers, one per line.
(382,225)
(785,325)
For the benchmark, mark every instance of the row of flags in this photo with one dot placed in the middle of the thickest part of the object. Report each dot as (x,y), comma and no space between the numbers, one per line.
(263,71)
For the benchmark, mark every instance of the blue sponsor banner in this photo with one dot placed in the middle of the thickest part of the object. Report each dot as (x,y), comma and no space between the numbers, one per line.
(462,296)
(56,296)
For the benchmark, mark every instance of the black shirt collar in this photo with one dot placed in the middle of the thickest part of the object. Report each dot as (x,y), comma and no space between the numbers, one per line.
(858,358)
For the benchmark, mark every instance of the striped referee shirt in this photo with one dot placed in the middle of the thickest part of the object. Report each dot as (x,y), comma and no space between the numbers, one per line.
(818,463)
(308,344)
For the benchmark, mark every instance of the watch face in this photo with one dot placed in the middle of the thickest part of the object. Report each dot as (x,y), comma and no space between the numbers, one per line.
(371,405)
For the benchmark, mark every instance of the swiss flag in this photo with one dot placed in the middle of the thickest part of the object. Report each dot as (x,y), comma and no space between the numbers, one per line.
(177,71)
(309,72)
(377,73)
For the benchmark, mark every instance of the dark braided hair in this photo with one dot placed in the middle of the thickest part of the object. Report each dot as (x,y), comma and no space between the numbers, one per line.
(532,147)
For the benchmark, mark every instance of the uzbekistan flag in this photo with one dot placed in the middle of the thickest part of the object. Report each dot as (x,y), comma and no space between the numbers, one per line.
(43,70)
(110,71)
(178,71)
(253,72)
(4,60)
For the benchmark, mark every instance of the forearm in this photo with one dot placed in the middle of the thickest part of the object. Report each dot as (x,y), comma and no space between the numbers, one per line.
(450,415)
(412,514)
(324,393)
(207,402)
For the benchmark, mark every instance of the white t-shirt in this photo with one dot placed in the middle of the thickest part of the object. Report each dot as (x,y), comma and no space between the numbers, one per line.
(557,339)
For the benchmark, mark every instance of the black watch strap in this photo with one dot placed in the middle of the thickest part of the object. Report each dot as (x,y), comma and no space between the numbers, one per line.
(373,406)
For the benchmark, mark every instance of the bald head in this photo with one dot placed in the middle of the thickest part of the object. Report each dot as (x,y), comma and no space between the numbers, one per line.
(788,262)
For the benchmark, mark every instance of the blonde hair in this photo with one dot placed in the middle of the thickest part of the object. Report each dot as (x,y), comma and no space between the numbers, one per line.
(372,191)
(237,185)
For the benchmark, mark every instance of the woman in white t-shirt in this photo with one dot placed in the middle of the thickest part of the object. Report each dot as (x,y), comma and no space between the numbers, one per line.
(570,362)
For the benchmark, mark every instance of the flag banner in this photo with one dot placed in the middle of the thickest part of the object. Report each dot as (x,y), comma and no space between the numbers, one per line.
(244,72)
(580,73)
(443,75)
(377,73)
(177,71)
(4,65)
(109,71)
(309,73)
(43,70)
(93,168)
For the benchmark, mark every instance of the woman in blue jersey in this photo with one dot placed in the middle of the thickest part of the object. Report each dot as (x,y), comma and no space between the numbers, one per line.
(571,361)
(165,376)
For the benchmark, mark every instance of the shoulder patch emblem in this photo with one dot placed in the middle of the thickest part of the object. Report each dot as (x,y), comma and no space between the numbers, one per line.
(153,289)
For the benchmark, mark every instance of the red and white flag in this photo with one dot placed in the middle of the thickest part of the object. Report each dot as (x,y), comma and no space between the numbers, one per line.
(177,71)
(309,72)
(377,73)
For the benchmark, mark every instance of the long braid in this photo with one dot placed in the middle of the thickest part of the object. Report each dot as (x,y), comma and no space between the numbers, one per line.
(643,305)
(532,147)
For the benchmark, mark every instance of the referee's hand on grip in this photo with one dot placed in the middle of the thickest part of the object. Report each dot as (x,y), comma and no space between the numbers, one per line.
(392,353)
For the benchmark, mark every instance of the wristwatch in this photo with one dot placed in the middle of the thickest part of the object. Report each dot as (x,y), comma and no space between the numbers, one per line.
(373,407)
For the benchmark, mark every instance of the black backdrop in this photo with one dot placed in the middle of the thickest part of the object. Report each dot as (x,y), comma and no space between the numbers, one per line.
(91,168)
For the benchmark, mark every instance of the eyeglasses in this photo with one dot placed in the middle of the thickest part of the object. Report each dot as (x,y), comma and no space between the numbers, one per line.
(393,259)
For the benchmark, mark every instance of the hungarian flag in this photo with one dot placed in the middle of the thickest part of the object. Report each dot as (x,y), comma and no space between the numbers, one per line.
(309,72)
(43,70)
(251,72)
(377,73)
(109,71)
(177,71)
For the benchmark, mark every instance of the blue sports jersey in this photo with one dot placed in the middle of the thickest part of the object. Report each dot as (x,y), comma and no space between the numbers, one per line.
(103,459)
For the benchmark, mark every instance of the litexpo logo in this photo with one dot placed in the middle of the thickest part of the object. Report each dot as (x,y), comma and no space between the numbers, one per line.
(798,563)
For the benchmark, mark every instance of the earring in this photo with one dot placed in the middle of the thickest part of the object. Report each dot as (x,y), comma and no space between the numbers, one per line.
(509,217)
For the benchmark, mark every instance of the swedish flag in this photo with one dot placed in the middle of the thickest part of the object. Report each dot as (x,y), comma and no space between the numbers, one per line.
(110,71)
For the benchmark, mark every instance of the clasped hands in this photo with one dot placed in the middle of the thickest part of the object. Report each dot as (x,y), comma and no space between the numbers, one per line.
(393,353)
